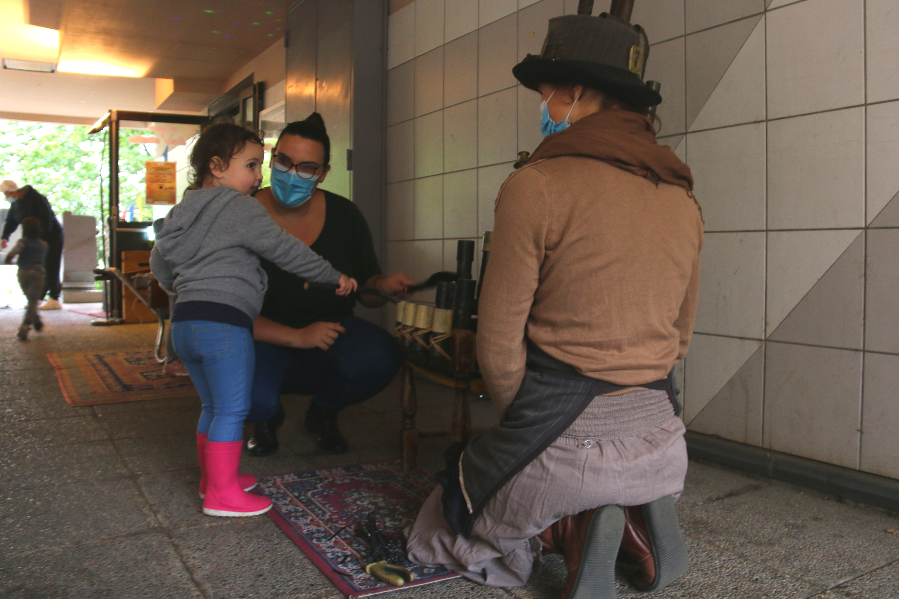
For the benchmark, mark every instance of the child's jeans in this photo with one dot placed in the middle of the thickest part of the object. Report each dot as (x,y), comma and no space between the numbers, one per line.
(32,283)
(220,359)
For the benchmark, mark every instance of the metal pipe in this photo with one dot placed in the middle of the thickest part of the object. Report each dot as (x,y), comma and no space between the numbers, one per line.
(116,294)
(622,9)
(585,7)
(654,86)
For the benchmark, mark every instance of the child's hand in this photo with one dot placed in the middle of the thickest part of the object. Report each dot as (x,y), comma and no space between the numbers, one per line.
(346,285)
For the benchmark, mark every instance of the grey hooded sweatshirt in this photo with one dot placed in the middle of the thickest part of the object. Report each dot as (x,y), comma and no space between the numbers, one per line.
(208,246)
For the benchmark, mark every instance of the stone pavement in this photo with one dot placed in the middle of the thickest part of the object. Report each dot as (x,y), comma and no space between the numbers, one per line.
(101,501)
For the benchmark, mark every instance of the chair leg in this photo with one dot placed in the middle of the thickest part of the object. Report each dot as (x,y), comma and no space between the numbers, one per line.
(409,433)
(461,431)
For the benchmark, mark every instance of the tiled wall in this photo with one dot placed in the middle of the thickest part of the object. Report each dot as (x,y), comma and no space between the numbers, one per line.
(788,114)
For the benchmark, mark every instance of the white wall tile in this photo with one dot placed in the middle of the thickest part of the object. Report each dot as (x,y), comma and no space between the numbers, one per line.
(497,54)
(882,23)
(533,23)
(460,70)
(429,82)
(401,36)
(497,126)
(815,57)
(461,18)
(428,25)
(702,14)
(529,135)
(429,144)
(490,179)
(400,211)
(739,97)
(813,402)
(428,259)
(460,137)
(400,93)
(729,171)
(428,202)
(732,290)
(493,10)
(880,416)
(710,363)
(666,65)
(882,299)
(400,152)
(883,156)
(796,260)
(816,170)
(460,204)
(662,19)
(524,3)
(399,257)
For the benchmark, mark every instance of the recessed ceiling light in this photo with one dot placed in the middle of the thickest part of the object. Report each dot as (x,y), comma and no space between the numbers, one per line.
(29,65)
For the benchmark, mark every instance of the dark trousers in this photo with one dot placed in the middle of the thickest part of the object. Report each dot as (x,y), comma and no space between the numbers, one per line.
(53,286)
(359,365)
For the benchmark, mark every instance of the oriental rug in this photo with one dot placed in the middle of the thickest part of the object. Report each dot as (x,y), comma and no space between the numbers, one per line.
(320,510)
(98,377)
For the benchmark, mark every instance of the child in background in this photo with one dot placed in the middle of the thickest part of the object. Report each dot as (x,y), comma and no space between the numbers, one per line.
(207,251)
(32,278)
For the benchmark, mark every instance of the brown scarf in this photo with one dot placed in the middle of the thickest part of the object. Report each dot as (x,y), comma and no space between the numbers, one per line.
(625,140)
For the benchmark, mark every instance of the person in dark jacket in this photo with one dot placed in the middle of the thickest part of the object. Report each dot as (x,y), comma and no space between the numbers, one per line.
(26,201)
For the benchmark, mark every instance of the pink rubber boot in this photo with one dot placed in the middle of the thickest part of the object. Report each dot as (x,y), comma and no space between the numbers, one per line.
(224,497)
(246,481)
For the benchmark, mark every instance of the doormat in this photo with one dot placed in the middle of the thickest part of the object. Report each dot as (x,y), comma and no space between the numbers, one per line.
(320,509)
(97,377)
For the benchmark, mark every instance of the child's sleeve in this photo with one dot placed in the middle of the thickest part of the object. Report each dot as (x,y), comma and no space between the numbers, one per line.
(161,270)
(14,251)
(264,237)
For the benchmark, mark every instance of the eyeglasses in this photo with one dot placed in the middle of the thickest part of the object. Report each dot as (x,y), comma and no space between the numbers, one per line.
(305,170)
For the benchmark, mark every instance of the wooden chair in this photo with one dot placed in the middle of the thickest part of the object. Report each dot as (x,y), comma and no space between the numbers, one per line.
(463,381)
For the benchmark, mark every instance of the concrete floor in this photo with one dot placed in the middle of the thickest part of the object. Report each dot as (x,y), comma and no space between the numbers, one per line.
(101,502)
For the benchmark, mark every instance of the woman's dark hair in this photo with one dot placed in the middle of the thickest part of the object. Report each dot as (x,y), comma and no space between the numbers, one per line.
(312,128)
(223,139)
(31,227)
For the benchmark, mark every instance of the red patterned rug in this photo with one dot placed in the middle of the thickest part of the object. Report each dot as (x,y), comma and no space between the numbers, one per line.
(95,377)
(320,509)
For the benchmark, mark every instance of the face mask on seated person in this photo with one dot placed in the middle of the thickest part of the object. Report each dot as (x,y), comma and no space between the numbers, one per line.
(291,190)
(547,124)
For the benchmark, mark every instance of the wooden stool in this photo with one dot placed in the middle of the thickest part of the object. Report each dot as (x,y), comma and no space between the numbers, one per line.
(462,382)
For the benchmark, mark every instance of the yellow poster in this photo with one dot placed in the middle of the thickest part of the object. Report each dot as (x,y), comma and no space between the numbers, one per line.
(161,186)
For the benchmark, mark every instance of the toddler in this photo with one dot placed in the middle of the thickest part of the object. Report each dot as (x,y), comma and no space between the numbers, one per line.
(31,251)
(207,251)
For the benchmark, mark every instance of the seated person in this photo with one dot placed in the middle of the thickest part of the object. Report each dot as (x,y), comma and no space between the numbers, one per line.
(307,340)
(588,302)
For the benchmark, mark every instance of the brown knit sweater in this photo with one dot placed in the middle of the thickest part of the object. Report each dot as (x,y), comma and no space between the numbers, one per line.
(595,258)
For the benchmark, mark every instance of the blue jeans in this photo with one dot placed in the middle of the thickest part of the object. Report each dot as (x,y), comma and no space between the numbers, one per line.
(220,360)
(359,365)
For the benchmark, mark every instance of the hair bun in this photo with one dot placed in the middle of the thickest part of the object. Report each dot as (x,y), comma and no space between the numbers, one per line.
(315,119)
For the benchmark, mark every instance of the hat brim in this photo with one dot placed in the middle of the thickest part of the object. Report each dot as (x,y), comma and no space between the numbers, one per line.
(621,84)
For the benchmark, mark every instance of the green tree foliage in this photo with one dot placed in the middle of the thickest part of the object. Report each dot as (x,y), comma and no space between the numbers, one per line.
(65,164)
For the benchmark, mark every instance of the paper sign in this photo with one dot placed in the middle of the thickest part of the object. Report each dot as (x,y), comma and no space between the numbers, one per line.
(161,185)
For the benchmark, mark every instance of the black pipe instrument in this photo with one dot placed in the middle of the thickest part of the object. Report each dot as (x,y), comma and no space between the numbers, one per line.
(463,304)
(464,258)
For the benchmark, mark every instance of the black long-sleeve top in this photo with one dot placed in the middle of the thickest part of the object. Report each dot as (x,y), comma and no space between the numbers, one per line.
(36,205)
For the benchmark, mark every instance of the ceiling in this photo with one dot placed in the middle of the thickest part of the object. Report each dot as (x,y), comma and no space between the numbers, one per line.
(196,43)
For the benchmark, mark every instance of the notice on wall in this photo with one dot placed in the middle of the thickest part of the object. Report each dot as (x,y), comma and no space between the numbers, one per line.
(161,185)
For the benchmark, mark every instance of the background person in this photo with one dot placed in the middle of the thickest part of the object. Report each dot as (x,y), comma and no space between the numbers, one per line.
(32,253)
(28,202)
(308,341)
(588,302)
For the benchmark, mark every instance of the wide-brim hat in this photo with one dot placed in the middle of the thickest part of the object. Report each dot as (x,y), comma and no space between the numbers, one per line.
(604,53)
(8,186)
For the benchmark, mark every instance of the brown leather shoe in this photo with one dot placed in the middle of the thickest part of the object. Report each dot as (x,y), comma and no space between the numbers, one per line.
(636,545)
(590,539)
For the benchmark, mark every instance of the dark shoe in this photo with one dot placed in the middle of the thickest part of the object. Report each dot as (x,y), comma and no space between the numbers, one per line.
(265,436)
(323,422)
(38,325)
(652,540)
(23,332)
(589,543)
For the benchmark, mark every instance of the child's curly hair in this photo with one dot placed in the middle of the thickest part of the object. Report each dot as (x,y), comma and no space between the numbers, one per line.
(222,139)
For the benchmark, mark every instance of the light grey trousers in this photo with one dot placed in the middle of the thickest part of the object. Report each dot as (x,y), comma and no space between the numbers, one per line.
(626,449)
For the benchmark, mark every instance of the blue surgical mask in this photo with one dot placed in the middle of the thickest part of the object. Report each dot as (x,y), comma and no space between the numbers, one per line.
(549,126)
(290,189)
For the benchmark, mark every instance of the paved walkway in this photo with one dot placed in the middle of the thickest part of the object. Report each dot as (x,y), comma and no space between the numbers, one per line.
(101,502)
